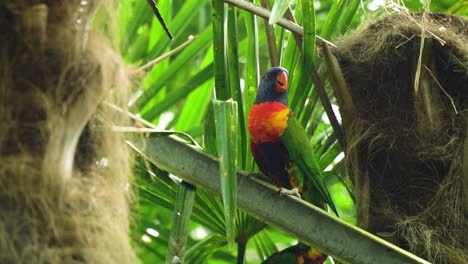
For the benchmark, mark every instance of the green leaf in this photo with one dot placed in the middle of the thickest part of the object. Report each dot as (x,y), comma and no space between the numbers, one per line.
(138,49)
(308,17)
(251,75)
(347,16)
(219,52)
(124,15)
(234,83)
(209,212)
(264,245)
(201,252)
(199,99)
(176,95)
(302,77)
(162,190)
(209,135)
(226,123)
(278,9)
(291,61)
(140,16)
(181,21)
(333,17)
(154,85)
(182,211)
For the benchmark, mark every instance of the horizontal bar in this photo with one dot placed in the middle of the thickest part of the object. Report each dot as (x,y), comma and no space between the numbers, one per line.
(310,224)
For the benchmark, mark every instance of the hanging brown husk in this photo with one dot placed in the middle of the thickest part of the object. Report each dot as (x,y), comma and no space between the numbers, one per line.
(63,173)
(406,146)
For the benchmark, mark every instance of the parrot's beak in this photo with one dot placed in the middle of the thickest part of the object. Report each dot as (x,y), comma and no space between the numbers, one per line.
(281,82)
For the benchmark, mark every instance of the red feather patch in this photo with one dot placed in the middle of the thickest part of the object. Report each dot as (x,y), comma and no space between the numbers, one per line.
(267,121)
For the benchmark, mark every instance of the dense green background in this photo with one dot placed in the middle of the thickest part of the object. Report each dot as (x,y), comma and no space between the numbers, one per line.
(176,94)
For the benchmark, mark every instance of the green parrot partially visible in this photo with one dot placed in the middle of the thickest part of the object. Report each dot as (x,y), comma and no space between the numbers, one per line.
(297,254)
(282,151)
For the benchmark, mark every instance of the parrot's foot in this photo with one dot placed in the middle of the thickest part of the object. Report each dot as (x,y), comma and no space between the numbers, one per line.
(292,192)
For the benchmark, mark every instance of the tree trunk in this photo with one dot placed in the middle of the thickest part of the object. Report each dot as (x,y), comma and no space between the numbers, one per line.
(405,149)
(63,173)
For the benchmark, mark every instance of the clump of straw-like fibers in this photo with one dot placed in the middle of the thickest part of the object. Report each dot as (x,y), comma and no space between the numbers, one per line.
(63,173)
(406,146)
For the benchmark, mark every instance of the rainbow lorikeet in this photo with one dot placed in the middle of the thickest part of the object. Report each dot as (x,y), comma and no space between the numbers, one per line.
(280,145)
(282,151)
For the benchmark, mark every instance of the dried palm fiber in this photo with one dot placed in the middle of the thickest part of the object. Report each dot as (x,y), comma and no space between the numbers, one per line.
(63,174)
(406,146)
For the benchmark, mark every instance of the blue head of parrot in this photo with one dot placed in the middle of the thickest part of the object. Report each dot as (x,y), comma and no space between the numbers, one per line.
(273,86)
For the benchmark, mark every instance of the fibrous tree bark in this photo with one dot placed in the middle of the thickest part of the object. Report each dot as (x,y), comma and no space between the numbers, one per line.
(407,76)
(63,173)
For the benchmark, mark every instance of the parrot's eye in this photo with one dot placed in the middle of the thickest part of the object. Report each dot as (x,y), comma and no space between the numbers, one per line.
(267,76)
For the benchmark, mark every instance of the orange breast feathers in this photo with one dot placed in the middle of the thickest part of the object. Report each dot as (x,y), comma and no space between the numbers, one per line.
(267,121)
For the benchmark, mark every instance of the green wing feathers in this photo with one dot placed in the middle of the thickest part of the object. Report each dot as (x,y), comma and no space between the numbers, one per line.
(300,151)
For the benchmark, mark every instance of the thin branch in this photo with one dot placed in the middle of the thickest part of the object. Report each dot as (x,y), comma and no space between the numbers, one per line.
(406,41)
(262,12)
(327,106)
(417,75)
(164,56)
(340,88)
(435,36)
(241,247)
(289,15)
(160,18)
(145,127)
(442,88)
(270,34)
(137,118)
(310,224)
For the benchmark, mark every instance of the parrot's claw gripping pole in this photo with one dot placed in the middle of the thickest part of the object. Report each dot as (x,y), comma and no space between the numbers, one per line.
(292,192)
